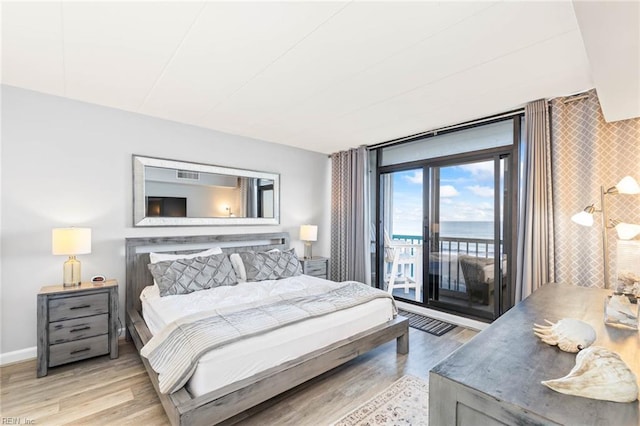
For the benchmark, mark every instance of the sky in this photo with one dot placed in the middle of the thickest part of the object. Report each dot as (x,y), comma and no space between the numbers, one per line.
(466,194)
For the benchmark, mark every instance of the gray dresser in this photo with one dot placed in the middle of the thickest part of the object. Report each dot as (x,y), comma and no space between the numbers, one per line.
(495,378)
(76,323)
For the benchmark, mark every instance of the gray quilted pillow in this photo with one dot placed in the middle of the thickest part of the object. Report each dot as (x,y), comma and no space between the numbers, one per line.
(270,265)
(184,276)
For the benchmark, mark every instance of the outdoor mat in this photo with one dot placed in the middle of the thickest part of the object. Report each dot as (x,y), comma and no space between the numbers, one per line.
(430,325)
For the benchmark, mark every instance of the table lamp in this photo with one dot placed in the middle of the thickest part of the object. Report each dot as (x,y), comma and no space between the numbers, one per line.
(308,234)
(70,242)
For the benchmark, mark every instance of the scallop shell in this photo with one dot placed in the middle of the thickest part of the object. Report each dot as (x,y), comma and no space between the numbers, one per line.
(598,374)
(571,335)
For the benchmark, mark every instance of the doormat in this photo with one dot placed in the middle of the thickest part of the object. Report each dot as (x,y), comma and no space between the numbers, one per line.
(430,325)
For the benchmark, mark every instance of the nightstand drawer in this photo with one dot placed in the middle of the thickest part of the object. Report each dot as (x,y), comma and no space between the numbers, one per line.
(316,268)
(78,306)
(79,328)
(78,349)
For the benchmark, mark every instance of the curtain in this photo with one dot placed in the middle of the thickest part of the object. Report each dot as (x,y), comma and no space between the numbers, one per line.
(588,153)
(350,229)
(535,251)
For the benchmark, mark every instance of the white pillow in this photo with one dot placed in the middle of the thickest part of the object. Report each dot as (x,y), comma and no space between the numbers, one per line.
(159,257)
(238,267)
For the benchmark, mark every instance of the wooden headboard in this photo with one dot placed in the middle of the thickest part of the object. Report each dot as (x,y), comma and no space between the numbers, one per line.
(138,249)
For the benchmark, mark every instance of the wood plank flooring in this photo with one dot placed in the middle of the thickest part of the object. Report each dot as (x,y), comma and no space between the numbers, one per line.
(101,391)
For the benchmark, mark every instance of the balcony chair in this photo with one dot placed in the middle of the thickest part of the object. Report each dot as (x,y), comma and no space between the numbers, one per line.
(478,273)
(402,256)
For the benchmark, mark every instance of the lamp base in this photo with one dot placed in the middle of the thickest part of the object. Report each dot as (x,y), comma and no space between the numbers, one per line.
(307,250)
(71,272)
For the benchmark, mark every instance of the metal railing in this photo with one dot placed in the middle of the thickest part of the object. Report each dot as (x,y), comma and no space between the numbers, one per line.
(443,265)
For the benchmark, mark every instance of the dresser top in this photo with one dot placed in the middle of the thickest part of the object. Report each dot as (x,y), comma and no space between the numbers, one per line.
(54,289)
(507,361)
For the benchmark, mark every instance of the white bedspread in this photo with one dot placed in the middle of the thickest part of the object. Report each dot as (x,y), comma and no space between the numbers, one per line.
(242,359)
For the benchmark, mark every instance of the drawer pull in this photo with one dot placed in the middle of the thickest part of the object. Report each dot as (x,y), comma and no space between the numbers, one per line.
(75,330)
(80,307)
(79,351)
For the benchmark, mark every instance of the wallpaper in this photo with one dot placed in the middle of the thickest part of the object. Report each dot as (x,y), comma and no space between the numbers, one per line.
(587,153)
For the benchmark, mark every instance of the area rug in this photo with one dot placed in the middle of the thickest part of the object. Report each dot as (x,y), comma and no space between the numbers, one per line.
(405,402)
(430,325)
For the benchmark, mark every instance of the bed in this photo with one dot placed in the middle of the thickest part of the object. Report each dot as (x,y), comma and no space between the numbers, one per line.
(202,402)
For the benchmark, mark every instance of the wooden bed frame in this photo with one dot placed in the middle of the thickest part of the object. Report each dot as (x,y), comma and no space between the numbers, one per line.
(228,403)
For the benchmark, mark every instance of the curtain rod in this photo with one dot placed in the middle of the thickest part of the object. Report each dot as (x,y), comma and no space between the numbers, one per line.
(447,128)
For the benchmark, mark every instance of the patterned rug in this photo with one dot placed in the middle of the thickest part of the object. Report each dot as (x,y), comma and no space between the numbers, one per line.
(430,325)
(405,402)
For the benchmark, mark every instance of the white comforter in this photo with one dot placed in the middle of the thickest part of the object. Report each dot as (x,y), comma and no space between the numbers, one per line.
(226,300)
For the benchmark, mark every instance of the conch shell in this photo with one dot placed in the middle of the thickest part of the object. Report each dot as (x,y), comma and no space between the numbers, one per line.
(571,335)
(598,374)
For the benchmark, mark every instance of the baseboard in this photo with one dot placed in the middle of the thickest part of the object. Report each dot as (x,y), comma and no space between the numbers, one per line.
(443,316)
(29,353)
(18,356)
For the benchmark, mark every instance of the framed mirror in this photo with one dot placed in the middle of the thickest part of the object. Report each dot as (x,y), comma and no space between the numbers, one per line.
(179,193)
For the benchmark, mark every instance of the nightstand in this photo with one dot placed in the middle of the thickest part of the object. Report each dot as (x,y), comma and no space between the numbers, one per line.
(75,323)
(316,267)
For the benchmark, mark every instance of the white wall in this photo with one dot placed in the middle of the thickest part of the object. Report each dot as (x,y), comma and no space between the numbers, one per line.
(69,163)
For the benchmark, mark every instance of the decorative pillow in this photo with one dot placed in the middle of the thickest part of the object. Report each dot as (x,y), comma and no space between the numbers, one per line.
(271,265)
(183,276)
(159,257)
(238,266)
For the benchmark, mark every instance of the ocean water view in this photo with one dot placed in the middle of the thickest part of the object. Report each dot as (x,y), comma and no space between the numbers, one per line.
(457,229)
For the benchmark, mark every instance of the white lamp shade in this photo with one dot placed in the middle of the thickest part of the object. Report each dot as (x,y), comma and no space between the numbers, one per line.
(627,231)
(71,241)
(628,185)
(309,232)
(583,218)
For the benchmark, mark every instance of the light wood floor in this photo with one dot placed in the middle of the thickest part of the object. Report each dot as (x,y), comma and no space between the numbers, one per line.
(102,391)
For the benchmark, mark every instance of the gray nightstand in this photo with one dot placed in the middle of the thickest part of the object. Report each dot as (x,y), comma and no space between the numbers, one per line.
(75,323)
(316,267)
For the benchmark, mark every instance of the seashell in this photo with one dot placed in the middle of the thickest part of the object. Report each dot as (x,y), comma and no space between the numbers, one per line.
(598,374)
(571,335)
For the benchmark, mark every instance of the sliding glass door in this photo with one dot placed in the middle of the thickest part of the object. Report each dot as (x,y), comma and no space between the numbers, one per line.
(467,261)
(446,228)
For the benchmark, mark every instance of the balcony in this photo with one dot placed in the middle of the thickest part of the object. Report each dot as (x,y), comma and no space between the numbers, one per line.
(446,276)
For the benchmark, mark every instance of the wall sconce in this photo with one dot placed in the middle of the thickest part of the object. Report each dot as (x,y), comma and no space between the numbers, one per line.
(627,185)
(308,234)
(229,212)
(70,242)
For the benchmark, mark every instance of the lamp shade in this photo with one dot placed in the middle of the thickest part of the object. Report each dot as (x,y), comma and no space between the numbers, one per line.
(71,241)
(583,218)
(309,232)
(628,185)
(627,231)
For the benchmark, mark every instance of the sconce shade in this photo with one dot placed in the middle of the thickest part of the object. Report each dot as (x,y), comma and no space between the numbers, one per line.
(71,241)
(309,232)
(628,185)
(627,231)
(585,217)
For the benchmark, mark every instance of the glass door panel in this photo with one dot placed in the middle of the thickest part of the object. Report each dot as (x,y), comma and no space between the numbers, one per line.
(462,236)
(402,219)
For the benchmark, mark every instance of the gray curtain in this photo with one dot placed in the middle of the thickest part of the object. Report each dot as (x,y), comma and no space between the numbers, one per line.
(587,153)
(350,228)
(535,219)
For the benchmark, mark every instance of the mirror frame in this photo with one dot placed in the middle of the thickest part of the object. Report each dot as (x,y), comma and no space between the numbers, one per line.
(139,204)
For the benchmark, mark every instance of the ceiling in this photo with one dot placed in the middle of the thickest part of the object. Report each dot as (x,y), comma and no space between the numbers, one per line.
(319,75)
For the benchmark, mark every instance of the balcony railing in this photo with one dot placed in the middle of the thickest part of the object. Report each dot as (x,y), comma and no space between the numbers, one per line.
(445,262)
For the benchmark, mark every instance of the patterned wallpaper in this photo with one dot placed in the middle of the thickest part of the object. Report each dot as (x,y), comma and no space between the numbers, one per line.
(588,153)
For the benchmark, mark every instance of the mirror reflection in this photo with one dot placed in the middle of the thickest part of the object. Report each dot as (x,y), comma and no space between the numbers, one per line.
(174,193)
